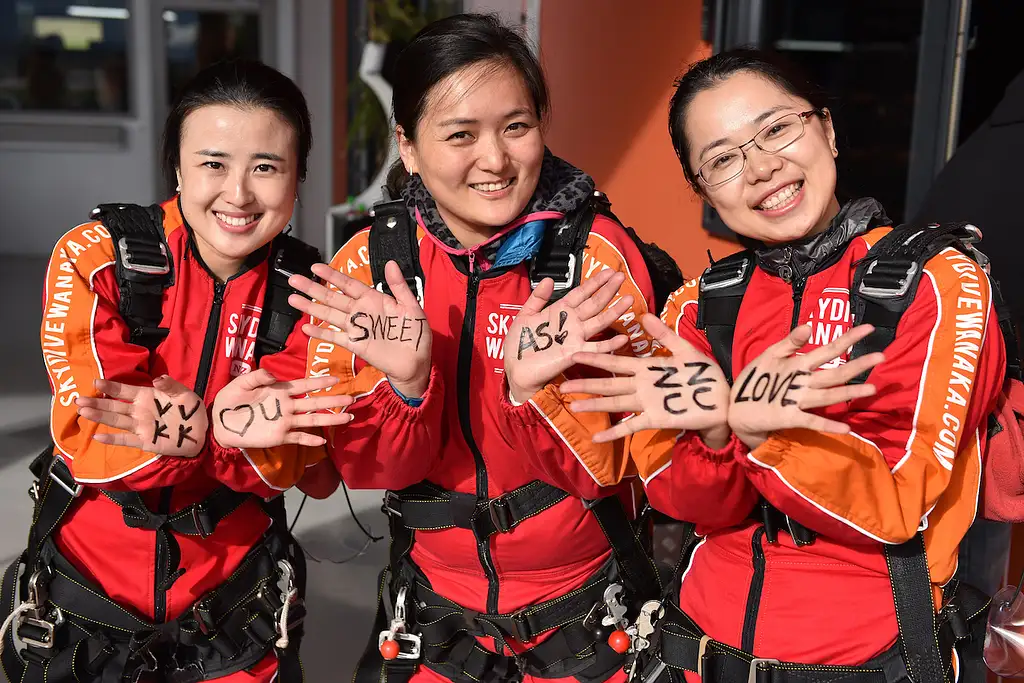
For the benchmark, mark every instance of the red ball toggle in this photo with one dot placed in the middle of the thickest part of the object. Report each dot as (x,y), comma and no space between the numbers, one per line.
(389,650)
(619,641)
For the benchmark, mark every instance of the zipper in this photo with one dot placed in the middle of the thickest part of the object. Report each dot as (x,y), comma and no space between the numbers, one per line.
(210,341)
(754,595)
(786,272)
(163,553)
(483,546)
(163,557)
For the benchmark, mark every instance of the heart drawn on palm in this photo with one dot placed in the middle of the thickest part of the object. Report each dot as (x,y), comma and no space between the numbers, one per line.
(238,419)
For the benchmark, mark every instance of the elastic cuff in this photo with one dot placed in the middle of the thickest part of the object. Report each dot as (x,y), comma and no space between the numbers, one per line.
(414,402)
(733,448)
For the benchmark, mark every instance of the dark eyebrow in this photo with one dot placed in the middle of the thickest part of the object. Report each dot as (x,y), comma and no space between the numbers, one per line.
(758,120)
(268,156)
(522,111)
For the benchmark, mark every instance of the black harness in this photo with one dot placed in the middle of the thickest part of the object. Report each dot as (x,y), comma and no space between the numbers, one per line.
(434,631)
(884,286)
(62,627)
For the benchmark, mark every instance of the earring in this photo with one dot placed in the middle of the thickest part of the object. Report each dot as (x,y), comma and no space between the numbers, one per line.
(178,188)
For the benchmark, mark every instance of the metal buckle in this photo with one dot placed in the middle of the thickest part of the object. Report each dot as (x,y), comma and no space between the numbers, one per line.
(75,492)
(387,507)
(754,663)
(45,641)
(885,292)
(503,526)
(197,519)
(126,260)
(409,644)
(520,625)
(417,281)
(200,612)
(740,276)
(37,614)
(570,273)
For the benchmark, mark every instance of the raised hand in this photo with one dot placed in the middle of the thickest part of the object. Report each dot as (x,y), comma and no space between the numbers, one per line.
(777,388)
(687,391)
(390,333)
(541,341)
(167,418)
(257,411)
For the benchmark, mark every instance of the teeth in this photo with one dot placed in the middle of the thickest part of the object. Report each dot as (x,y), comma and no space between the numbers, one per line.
(239,221)
(780,198)
(491,187)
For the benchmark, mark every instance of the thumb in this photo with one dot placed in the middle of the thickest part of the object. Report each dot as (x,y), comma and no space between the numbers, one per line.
(170,386)
(255,380)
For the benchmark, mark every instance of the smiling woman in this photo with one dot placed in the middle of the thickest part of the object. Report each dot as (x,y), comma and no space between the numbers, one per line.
(174,360)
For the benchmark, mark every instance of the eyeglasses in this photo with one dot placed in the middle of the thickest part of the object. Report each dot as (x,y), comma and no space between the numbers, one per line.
(772,139)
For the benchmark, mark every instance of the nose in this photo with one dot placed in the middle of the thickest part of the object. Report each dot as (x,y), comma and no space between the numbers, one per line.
(238,189)
(493,155)
(761,165)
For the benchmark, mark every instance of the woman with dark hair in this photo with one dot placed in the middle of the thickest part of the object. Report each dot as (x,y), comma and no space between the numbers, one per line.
(509,547)
(831,484)
(159,549)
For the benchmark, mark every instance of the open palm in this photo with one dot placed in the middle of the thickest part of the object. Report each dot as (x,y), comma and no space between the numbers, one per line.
(541,341)
(389,333)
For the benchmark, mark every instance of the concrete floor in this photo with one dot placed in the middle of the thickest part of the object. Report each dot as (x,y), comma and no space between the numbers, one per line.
(341,597)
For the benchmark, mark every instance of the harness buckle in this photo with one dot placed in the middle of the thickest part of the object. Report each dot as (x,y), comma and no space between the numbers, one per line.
(883,290)
(146,268)
(74,489)
(198,516)
(37,616)
(415,284)
(520,626)
(44,640)
(388,508)
(566,279)
(410,645)
(716,277)
(204,619)
(754,664)
(500,514)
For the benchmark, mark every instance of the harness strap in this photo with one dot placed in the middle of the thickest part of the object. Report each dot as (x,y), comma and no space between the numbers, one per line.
(679,644)
(199,519)
(142,264)
(289,256)
(426,506)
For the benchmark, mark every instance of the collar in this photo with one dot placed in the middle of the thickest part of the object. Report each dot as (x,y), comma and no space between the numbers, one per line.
(799,259)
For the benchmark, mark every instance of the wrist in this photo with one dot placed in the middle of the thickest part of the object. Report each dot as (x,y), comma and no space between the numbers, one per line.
(716,437)
(520,394)
(412,388)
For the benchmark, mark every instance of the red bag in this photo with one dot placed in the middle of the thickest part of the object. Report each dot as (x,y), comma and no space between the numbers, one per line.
(1002,492)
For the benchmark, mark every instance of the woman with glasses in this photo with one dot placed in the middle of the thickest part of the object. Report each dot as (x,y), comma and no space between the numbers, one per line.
(807,489)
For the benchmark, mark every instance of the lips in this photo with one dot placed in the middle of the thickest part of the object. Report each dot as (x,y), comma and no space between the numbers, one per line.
(238,221)
(779,198)
(497,186)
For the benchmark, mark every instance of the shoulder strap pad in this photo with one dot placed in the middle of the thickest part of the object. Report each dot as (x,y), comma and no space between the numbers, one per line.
(288,256)
(722,287)
(664,272)
(886,279)
(560,256)
(393,238)
(142,266)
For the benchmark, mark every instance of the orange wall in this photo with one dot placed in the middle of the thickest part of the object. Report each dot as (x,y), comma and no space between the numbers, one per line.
(610,67)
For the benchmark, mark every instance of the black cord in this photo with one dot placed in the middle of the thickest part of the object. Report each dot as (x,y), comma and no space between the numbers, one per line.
(298,512)
(353,513)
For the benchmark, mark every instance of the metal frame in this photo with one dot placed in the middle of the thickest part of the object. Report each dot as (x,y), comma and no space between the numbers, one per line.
(940,76)
(267,11)
(940,70)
